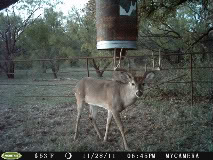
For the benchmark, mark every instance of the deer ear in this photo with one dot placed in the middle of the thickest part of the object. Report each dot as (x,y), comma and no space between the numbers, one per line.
(149,76)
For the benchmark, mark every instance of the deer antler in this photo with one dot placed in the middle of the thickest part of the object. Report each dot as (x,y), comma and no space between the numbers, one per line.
(159,61)
(153,60)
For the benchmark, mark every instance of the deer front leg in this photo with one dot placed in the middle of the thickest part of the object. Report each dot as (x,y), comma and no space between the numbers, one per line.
(109,119)
(121,128)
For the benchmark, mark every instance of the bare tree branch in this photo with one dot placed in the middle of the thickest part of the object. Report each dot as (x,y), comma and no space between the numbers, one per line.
(201,37)
(26,22)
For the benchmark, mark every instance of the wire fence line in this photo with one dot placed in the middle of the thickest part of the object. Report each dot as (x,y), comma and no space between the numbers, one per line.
(190,68)
(100,57)
(26,84)
(163,69)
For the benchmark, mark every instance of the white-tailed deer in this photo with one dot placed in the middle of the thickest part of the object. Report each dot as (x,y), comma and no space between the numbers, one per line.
(112,95)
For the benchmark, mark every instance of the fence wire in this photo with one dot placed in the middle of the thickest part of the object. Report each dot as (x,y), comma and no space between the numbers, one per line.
(88,70)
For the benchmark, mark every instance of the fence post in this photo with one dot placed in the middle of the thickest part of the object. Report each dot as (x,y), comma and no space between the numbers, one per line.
(191,75)
(87,67)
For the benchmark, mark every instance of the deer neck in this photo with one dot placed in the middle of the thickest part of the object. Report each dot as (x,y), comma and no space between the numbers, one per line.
(127,94)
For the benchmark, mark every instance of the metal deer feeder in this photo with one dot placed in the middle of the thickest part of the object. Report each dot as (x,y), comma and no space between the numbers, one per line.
(116,22)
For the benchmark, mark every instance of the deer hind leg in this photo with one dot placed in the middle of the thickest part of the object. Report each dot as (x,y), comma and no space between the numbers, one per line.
(109,119)
(121,128)
(80,104)
(93,115)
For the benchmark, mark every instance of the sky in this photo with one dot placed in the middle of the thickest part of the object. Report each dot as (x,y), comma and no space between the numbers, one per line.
(68,4)
(65,7)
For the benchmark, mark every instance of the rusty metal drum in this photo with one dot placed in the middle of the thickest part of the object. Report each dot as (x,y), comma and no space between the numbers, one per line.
(116,23)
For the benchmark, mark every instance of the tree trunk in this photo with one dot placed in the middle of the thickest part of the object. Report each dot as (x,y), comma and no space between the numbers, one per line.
(44,67)
(97,68)
(99,73)
(11,70)
(54,72)
(55,69)
(55,75)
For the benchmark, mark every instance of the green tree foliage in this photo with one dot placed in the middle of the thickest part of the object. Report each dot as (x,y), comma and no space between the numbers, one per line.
(172,26)
(13,25)
(81,27)
(10,29)
(46,39)
(184,30)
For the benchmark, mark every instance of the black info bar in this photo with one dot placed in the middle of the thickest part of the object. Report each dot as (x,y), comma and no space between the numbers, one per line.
(103,155)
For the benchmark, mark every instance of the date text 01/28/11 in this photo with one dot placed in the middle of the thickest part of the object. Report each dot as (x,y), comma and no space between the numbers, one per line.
(98,155)
(118,155)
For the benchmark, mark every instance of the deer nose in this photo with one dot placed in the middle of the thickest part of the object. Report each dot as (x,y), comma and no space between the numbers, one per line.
(139,93)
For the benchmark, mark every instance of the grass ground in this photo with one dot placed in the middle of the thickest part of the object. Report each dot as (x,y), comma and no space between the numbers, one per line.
(47,124)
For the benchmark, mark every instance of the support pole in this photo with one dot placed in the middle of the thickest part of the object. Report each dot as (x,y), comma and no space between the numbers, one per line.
(87,67)
(192,84)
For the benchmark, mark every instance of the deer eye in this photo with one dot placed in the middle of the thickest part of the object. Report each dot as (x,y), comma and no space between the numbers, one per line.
(133,84)
(143,84)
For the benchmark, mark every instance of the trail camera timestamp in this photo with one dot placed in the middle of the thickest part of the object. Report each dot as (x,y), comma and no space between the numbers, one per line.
(99,156)
(141,155)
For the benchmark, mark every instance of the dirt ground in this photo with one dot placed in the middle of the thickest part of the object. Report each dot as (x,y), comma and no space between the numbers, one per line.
(51,128)
(154,123)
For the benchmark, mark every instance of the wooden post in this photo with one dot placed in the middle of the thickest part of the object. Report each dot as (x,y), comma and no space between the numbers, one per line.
(87,67)
(191,75)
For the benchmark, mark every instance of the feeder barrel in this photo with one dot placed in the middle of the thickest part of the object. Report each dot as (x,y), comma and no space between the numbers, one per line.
(116,23)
